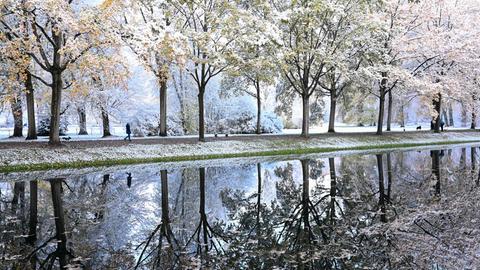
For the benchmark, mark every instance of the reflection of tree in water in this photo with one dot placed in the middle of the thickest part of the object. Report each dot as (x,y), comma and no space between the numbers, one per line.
(206,237)
(161,248)
(436,169)
(304,235)
(443,233)
(375,212)
(250,234)
(42,254)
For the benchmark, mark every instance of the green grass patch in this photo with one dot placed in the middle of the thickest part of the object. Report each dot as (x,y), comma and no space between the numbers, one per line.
(280,152)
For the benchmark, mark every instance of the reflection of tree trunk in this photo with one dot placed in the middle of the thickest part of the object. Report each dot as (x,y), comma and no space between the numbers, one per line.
(163,229)
(473,159)
(166,230)
(463,159)
(381,189)
(165,214)
(390,177)
(259,193)
(18,196)
(204,235)
(203,215)
(101,212)
(129,180)
(435,154)
(33,220)
(61,252)
(333,188)
(305,194)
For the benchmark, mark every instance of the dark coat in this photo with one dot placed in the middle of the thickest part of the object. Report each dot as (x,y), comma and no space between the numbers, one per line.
(128,129)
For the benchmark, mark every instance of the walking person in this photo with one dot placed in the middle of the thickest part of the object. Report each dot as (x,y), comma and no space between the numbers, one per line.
(128,131)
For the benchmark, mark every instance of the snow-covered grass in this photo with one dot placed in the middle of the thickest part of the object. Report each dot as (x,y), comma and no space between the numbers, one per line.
(28,159)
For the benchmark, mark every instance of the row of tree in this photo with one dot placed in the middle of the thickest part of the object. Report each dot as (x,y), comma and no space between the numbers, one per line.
(308,49)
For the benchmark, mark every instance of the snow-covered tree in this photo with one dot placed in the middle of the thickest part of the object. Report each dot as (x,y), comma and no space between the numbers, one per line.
(147,30)
(211,27)
(255,67)
(347,25)
(305,30)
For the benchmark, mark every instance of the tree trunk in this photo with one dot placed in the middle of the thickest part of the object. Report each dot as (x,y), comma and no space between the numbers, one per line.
(333,109)
(17,112)
(32,126)
(444,115)
(306,115)
(474,119)
(61,252)
(201,115)
(259,108)
(402,115)
(57,88)
(163,108)
(105,123)
(450,115)
(82,121)
(437,105)
(381,107)
(381,112)
(389,112)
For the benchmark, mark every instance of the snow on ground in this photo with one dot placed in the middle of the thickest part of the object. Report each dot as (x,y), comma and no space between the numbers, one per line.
(26,156)
(118,132)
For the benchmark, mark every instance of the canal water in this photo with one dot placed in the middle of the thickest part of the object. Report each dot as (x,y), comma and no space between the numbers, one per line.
(415,209)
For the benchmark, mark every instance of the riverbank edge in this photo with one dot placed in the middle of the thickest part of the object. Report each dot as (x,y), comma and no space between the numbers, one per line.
(277,152)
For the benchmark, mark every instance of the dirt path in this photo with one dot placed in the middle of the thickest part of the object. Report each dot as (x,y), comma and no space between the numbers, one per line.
(82,144)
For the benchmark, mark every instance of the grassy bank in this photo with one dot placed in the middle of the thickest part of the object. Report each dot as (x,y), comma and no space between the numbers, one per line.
(279,147)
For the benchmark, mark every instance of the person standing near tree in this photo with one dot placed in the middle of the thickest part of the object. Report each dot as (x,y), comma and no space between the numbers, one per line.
(128,131)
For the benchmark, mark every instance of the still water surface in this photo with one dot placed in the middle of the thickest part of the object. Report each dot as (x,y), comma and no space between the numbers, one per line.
(399,210)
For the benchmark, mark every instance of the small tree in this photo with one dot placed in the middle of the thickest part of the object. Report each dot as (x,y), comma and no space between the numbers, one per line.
(254,68)
(212,28)
(147,31)
(304,31)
